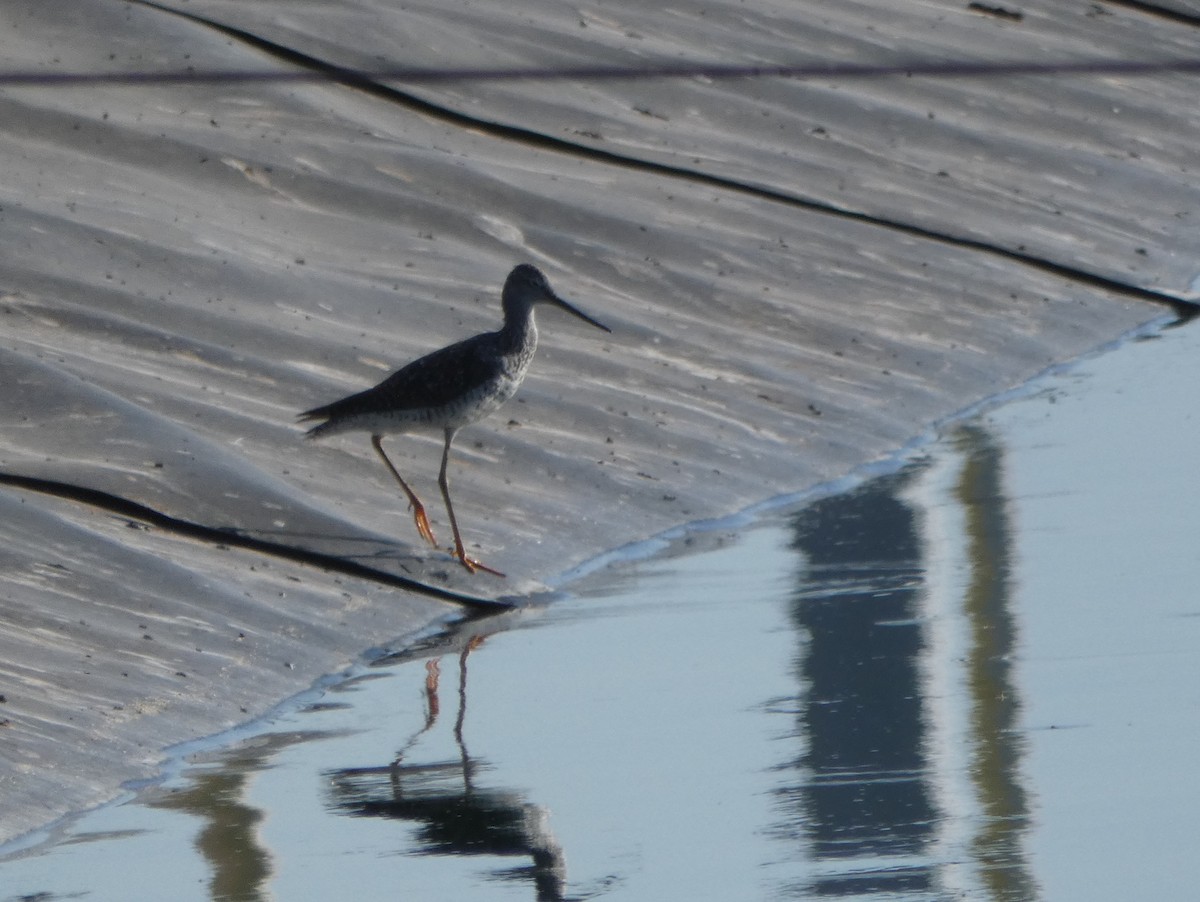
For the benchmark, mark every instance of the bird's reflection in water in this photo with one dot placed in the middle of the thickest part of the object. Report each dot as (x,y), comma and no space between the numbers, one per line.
(451,814)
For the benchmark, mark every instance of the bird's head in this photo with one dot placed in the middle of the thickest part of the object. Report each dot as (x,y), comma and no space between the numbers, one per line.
(526,286)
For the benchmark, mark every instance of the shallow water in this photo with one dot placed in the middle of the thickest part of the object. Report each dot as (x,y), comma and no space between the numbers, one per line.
(974,675)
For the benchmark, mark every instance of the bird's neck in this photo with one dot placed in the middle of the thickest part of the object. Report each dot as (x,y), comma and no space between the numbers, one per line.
(519,332)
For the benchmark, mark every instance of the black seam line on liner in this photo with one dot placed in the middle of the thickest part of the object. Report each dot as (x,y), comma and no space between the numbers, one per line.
(1153,9)
(1182,308)
(915,68)
(135,510)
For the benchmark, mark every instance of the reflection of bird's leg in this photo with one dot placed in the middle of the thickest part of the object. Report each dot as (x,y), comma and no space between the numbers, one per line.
(444,485)
(432,706)
(418,508)
(473,643)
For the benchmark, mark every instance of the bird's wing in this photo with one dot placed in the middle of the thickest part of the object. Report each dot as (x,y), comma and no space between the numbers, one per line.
(430,381)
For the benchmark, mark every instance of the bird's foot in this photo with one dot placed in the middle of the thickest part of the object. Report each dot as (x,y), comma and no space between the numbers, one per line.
(422,522)
(473,565)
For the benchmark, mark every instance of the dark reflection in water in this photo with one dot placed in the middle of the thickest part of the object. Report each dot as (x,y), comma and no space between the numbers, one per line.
(864,791)
(453,816)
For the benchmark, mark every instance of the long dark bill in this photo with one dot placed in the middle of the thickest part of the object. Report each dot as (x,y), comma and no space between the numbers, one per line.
(579,313)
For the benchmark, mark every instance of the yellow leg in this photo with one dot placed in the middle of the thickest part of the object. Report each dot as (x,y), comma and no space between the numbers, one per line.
(444,485)
(418,508)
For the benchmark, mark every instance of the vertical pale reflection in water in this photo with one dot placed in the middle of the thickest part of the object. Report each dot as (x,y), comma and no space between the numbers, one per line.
(972,701)
(975,701)
(942,523)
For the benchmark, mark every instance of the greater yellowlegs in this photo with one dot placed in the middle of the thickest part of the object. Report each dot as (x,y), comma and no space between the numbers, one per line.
(449,389)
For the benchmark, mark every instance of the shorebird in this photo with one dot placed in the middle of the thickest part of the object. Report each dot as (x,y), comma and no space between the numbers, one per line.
(449,389)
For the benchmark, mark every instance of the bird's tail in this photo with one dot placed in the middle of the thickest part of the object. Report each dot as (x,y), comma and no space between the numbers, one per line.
(317,413)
